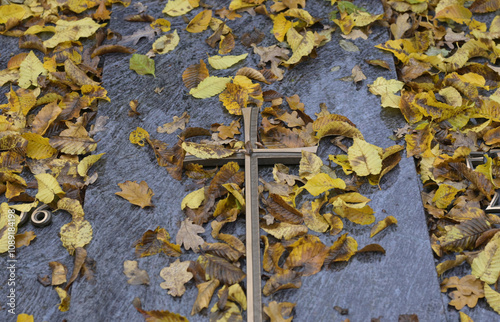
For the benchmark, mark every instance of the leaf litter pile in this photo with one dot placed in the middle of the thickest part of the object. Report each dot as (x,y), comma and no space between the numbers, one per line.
(446,92)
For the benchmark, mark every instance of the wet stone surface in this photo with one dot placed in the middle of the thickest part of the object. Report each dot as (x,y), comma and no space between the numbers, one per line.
(403,281)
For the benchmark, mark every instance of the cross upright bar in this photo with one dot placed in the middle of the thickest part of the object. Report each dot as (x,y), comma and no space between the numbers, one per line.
(251,157)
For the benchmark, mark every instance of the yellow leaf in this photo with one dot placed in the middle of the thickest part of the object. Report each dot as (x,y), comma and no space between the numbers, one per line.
(343,161)
(223,62)
(65,299)
(310,165)
(302,15)
(361,19)
(444,195)
(381,225)
(200,22)
(455,12)
(30,69)
(280,26)
(323,182)
(23,317)
(465,318)
(194,199)
(358,213)
(205,151)
(492,297)
(76,233)
(87,162)
(48,187)
(36,29)
(210,86)
(166,43)
(312,218)
(161,23)
(176,8)
(301,48)
(11,11)
(72,31)
(72,206)
(136,193)
(8,227)
(486,266)
(365,158)
(138,135)
(239,93)
(7,75)
(38,146)
(277,311)
(240,4)
(285,230)
(387,89)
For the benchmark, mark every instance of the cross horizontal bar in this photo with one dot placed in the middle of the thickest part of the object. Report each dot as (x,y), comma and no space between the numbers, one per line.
(265,156)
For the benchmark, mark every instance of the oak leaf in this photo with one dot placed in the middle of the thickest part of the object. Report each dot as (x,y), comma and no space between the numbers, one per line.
(176,124)
(136,193)
(469,290)
(175,276)
(188,235)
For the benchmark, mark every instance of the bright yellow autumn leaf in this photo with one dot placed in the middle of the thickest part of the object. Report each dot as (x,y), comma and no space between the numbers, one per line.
(176,8)
(166,43)
(38,146)
(30,69)
(11,11)
(445,195)
(486,266)
(280,26)
(8,227)
(302,45)
(194,199)
(492,297)
(322,182)
(310,165)
(210,86)
(76,233)
(72,31)
(381,225)
(387,90)
(65,299)
(200,22)
(87,162)
(48,188)
(138,136)
(205,151)
(223,62)
(365,158)
(23,317)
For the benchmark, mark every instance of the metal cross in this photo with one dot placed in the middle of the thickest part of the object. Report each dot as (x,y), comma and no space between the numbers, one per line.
(477,158)
(251,157)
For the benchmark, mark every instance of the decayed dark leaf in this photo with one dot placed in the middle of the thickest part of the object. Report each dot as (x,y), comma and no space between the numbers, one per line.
(484,6)
(282,211)
(215,37)
(282,280)
(221,269)
(194,74)
(255,37)
(108,49)
(478,179)
(32,42)
(142,17)
(153,242)
(464,235)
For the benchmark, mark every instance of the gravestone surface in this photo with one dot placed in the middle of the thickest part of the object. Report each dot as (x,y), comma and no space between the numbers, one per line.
(403,281)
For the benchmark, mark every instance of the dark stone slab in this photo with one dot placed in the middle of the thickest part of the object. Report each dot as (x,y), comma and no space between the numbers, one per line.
(403,281)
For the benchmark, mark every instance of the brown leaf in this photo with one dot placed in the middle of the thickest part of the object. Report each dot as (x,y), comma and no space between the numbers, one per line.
(222,250)
(215,37)
(284,279)
(229,131)
(227,44)
(221,269)
(282,211)
(158,316)
(80,256)
(277,311)
(15,61)
(464,235)
(205,293)
(342,249)
(378,62)
(194,74)
(153,242)
(254,37)
(176,124)
(136,193)
(102,13)
(59,272)
(469,290)
(478,179)
(24,239)
(73,145)
(32,42)
(252,74)
(188,235)
(309,253)
(108,49)
(135,275)
(47,115)
(376,248)
(484,6)
(142,17)
(78,76)
(272,255)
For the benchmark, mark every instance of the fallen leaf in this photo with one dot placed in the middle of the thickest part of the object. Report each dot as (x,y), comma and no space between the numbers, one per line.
(77,233)
(154,242)
(175,276)
(278,311)
(165,44)
(65,299)
(200,22)
(135,275)
(136,193)
(142,64)
(176,8)
(24,239)
(195,74)
(387,90)
(223,62)
(219,268)
(486,266)
(176,124)
(365,158)
(188,235)
(59,272)
(205,293)
(381,225)
(209,87)
(29,70)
